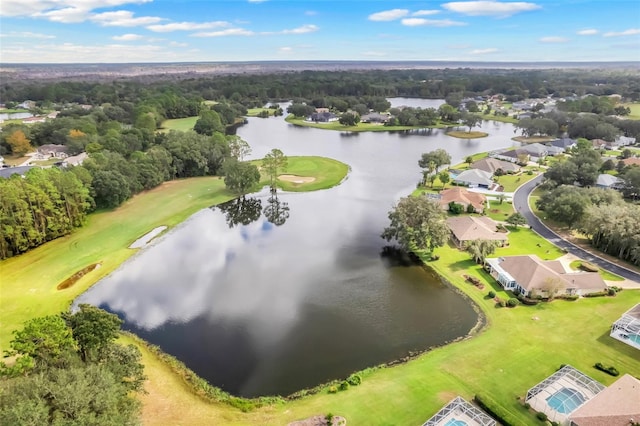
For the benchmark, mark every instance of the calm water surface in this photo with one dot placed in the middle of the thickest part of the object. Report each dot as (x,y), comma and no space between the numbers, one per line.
(271,307)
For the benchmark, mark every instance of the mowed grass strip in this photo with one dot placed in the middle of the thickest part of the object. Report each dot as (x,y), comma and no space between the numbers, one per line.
(181,124)
(28,281)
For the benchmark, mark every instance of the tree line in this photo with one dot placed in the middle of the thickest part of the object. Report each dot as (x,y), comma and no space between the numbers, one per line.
(42,206)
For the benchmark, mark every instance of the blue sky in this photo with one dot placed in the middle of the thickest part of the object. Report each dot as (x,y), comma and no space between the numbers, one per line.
(117,31)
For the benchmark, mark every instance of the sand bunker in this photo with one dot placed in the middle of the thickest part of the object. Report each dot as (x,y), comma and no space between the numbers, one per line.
(296,179)
(146,239)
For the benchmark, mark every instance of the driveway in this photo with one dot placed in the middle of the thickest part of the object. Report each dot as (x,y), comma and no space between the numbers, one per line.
(521,204)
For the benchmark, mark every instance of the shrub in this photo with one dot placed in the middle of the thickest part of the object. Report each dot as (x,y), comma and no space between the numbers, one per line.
(597,294)
(491,294)
(530,172)
(527,405)
(471,209)
(528,301)
(589,267)
(455,208)
(333,389)
(611,292)
(354,379)
(512,303)
(344,386)
(541,416)
(609,370)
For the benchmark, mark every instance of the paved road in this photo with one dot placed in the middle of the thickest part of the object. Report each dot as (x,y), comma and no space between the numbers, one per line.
(521,202)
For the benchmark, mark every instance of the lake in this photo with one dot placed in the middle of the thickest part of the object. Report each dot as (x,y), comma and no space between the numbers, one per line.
(295,299)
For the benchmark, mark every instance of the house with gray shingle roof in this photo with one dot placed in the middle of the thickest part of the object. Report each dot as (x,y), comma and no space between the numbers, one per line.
(616,405)
(490,165)
(465,229)
(474,178)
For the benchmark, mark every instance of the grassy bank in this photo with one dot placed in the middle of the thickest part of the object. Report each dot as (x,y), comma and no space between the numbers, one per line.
(467,135)
(360,127)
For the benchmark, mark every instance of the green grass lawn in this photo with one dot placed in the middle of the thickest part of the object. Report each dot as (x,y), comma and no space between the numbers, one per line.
(635,110)
(13,111)
(606,275)
(467,135)
(326,171)
(497,211)
(511,182)
(182,124)
(253,112)
(14,160)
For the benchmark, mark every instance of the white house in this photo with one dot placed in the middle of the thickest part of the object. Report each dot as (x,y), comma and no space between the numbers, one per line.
(474,178)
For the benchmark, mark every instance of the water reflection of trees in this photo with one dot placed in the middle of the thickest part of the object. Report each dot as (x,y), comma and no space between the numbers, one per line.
(241,211)
(396,256)
(276,211)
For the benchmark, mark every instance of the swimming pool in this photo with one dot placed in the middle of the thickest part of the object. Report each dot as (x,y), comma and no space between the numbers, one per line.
(635,338)
(565,400)
(455,422)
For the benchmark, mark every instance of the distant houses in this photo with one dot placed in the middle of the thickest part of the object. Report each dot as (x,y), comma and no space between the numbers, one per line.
(51,150)
(322,115)
(531,276)
(491,165)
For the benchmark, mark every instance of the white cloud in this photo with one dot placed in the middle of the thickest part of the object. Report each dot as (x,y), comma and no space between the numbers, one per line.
(127,37)
(421,22)
(301,30)
(27,34)
(388,15)
(425,12)
(187,26)
(554,39)
(310,13)
(587,32)
(490,8)
(59,10)
(483,51)
(285,50)
(631,31)
(123,18)
(178,44)
(79,53)
(225,33)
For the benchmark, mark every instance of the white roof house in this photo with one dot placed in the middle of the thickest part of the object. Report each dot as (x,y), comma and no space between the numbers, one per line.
(607,181)
(627,327)
(460,412)
(474,178)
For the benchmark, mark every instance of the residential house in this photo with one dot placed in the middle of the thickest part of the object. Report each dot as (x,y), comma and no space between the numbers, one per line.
(522,106)
(52,150)
(625,140)
(474,178)
(598,143)
(463,197)
(322,117)
(7,172)
(490,165)
(375,117)
(516,155)
(554,150)
(631,161)
(531,276)
(606,181)
(536,151)
(564,143)
(616,405)
(469,228)
(75,160)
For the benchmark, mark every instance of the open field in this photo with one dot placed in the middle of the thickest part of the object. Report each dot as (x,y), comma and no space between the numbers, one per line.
(182,124)
(635,110)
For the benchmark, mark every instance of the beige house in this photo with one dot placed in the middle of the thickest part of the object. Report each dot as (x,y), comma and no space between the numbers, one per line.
(617,405)
(463,197)
(490,165)
(469,228)
(531,276)
(52,150)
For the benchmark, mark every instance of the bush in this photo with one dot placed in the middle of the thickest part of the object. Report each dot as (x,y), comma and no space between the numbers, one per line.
(528,301)
(589,267)
(344,386)
(512,303)
(329,418)
(609,370)
(611,292)
(527,405)
(496,410)
(471,209)
(530,172)
(333,389)
(491,294)
(541,416)
(597,294)
(354,380)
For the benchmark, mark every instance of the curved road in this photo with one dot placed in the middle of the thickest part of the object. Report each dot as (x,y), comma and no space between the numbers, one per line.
(521,202)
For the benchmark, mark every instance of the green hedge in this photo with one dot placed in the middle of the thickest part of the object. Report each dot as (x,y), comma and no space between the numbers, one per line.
(495,410)
(609,370)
